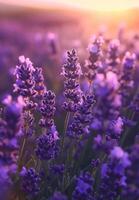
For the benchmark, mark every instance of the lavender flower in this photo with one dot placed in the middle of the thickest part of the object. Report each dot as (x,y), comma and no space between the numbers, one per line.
(72,72)
(46,147)
(39,87)
(113,53)
(30,181)
(106,89)
(115,128)
(58,169)
(131,190)
(113,179)
(106,83)
(95,52)
(9,129)
(12,114)
(84,187)
(24,77)
(129,61)
(47,109)
(5,181)
(127,82)
(58,196)
(82,117)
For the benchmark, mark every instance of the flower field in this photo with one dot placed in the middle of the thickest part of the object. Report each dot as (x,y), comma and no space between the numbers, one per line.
(69,106)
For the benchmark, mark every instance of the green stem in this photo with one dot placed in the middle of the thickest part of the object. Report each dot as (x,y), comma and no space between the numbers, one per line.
(21,153)
(62,144)
(65,130)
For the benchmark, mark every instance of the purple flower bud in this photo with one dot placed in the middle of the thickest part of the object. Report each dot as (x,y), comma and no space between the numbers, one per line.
(95,52)
(82,118)
(84,187)
(24,77)
(129,61)
(46,147)
(113,53)
(39,82)
(30,182)
(47,109)
(58,196)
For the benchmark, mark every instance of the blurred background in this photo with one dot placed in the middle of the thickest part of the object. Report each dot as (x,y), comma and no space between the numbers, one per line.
(44,29)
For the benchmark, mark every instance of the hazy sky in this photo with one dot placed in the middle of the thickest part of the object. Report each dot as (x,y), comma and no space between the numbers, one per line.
(88,4)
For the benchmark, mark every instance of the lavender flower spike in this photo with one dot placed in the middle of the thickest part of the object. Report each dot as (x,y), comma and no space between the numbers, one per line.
(30,181)
(95,52)
(113,53)
(82,118)
(113,179)
(46,148)
(47,109)
(84,187)
(24,79)
(39,83)
(72,72)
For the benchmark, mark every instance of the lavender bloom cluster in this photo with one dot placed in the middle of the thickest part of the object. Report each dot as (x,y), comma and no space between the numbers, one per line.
(92,153)
(72,72)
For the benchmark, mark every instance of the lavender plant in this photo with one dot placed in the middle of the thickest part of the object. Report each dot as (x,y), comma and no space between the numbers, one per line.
(94,153)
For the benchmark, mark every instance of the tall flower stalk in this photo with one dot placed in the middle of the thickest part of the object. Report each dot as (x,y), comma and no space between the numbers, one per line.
(72,92)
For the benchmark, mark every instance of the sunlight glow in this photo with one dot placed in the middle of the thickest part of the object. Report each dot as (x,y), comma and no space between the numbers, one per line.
(99,5)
